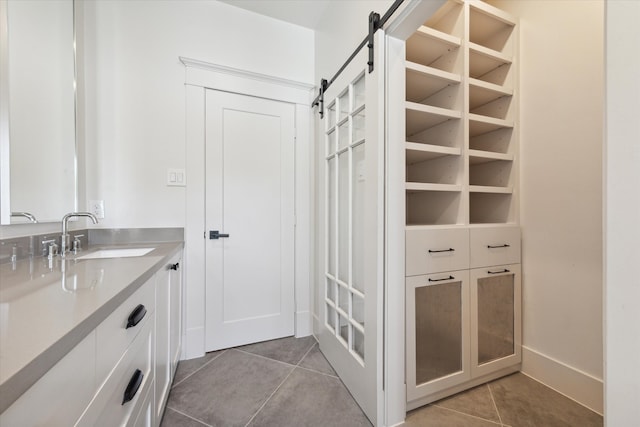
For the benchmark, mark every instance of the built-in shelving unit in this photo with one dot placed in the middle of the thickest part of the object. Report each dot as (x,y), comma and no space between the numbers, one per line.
(461,193)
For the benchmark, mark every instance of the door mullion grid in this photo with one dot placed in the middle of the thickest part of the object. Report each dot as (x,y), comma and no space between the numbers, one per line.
(351,100)
(331,139)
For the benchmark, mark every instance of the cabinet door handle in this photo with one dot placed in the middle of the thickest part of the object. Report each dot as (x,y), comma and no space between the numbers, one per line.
(133,386)
(136,316)
(440,280)
(215,235)
(498,272)
(498,246)
(441,250)
(175,266)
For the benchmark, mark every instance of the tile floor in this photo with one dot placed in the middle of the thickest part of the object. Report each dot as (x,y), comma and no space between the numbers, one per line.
(288,382)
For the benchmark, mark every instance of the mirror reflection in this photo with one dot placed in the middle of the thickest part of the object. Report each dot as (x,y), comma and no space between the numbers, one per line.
(39,127)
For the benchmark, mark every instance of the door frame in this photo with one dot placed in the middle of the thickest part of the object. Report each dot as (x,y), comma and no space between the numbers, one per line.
(201,76)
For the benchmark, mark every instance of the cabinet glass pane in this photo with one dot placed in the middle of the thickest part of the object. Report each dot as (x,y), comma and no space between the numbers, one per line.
(343,135)
(438,331)
(331,115)
(331,317)
(331,216)
(359,92)
(358,343)
(331,290)
(359,129)
(495,318)
(344,328)
(330,139)
(343,299)
(343,217)
(343,103)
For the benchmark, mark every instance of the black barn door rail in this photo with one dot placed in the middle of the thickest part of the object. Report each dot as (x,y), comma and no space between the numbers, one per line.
(375,23)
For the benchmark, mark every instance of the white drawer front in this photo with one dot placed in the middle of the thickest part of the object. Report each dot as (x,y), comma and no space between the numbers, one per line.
(107,407)
(113,335)
(433,251)
(494,246)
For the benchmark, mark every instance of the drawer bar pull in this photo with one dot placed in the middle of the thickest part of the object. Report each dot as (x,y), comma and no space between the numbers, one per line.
(441,250)
(136,316)
(440,280)
(498,272)
(498,246)
(133,386)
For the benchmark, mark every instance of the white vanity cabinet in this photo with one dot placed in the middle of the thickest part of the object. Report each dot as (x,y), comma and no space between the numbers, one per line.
(121,372)
(168,327)
(61,395)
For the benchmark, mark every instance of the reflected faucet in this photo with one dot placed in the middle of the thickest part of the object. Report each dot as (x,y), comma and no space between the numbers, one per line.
(27,215)
(64,239)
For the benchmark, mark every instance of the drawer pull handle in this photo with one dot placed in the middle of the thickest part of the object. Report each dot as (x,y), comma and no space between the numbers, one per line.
(441,250)
(498,272)
(440,280)
(136,316)
(133,386)
(498,246)
(175,266)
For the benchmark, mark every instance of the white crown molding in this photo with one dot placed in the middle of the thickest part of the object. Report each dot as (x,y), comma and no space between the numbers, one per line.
(217,68)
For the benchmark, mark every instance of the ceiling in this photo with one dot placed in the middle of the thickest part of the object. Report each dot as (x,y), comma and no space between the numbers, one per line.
(306,13)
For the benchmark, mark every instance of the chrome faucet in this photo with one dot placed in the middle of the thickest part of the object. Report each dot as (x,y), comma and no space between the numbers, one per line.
(64,239)
(27,215)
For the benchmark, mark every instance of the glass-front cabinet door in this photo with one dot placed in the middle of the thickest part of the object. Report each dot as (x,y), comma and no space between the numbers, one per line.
(495,318)
(438,352)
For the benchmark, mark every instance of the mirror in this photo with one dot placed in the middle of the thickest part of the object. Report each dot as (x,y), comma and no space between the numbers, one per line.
(38,170)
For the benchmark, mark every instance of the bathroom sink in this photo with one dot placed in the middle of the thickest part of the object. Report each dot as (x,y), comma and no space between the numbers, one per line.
(117,253)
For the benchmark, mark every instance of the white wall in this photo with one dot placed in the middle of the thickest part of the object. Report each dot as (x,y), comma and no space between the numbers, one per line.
(622,210)
(136,96)
(561,128)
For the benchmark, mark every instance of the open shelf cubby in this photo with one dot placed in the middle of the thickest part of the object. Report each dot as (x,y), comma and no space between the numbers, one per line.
(440,169)
(448,133)
(491,208)
(421,117)
(487,172)
(489,27)
(429,86)
(496,141)
(433,207)
(490,66)
(435,49)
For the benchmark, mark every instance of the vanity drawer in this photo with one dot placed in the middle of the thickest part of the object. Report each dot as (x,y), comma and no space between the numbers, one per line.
(433,251)
(494,246)
(108,407)
(113,335)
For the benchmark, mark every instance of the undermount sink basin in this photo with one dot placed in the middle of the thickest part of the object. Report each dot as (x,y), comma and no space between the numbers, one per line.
(117,253)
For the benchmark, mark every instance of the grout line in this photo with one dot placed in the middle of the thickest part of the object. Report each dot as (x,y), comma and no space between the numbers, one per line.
(494,403)
(189,416)
(264,357)
(318,372)
(191,374)
(271,395)
(305,354)
(468,415)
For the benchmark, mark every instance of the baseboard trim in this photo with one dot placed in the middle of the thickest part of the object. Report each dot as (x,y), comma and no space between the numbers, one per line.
(303,324)
(193,343)
(579,386)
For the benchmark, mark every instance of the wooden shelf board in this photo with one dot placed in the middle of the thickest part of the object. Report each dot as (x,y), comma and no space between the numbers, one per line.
(423,81)
(479,125)
(420,186)
(421,117)
(438,36)
(417,153)
(481,92)
(482,60)
(487,189)
(477,157)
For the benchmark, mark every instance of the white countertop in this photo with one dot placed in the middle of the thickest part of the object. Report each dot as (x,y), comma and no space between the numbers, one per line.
(46,308)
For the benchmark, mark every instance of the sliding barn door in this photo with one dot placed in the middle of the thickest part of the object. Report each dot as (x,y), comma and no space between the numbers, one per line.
(352,176)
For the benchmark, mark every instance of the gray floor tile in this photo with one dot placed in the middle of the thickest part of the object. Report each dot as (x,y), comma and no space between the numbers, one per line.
(172,418)
(288,350)
(434,416)
(311,399)
(314,360)
(188,367)
(476,402)
(229,390)
(524,402)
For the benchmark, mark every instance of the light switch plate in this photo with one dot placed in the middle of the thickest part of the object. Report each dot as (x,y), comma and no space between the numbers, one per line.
(176,177)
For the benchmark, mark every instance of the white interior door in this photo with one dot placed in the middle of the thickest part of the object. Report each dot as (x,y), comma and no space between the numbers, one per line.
(249,197)
(351,214)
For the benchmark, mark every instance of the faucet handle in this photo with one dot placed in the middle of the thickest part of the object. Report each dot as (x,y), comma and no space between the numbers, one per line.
(51,249)
(77,243)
